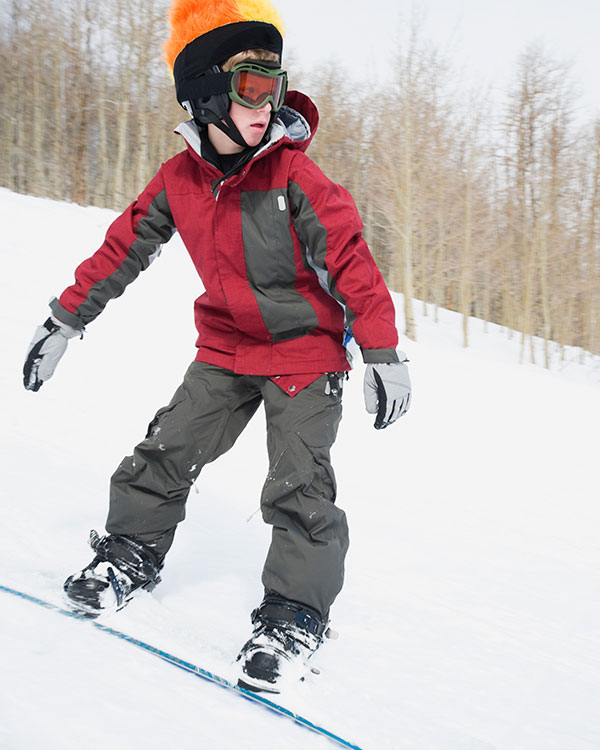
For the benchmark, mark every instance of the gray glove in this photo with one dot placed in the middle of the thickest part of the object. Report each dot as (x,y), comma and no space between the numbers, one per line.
(47,347)
(387,391)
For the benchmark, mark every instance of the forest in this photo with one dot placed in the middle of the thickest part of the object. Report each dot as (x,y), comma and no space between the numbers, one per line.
(491,209)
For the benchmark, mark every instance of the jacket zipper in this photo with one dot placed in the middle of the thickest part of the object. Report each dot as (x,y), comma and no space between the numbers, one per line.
(219,184)
(217,189)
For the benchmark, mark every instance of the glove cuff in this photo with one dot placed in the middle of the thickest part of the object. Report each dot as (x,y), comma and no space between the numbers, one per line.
(65,319)
(53,325)
(380,356)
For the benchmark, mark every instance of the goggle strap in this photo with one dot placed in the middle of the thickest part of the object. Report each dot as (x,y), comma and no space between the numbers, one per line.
(204,86)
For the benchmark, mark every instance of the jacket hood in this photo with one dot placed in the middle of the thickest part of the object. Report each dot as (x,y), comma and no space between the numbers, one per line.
(294,126)
(299,118)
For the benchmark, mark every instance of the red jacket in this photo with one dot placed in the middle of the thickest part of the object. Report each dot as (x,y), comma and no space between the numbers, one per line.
(278,247)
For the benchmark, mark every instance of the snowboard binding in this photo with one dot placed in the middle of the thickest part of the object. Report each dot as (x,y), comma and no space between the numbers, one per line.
(286,635)
(121,567)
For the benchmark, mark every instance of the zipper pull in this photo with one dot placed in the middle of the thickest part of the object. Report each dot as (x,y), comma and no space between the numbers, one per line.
(216,188)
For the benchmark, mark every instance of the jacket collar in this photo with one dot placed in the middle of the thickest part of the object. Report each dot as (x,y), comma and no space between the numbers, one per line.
(290,127)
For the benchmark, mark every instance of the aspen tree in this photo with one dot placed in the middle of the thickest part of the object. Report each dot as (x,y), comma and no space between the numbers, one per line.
(591,333)
(537,120)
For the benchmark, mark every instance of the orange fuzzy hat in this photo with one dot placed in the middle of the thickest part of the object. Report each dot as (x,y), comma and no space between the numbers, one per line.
(191,19)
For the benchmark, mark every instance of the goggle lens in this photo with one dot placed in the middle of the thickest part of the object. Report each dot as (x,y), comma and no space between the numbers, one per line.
(254,88)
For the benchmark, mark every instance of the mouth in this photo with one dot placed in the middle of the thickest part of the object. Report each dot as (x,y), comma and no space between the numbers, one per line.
(259,125)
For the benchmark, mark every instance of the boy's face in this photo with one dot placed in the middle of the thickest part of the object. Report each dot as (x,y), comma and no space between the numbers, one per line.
(252,123)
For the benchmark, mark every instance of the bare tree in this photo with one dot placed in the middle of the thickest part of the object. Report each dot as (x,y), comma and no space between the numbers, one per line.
(538,147)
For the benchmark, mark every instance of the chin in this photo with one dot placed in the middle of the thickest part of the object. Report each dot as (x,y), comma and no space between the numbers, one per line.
(253,140)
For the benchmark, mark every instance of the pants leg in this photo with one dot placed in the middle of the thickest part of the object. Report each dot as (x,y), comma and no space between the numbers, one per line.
(206,415)
(305,561)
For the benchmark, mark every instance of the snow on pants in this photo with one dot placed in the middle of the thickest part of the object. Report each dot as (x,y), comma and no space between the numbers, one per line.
(305,561)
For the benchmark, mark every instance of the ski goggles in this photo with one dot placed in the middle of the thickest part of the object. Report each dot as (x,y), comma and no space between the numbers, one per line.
(253,84)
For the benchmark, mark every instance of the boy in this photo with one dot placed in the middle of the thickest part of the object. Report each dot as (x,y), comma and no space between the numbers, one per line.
(286,273)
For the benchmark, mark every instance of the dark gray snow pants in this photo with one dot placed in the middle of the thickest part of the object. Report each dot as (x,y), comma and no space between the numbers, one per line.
(305,561)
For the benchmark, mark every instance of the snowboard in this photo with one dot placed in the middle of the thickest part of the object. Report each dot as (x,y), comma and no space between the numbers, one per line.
(197,671)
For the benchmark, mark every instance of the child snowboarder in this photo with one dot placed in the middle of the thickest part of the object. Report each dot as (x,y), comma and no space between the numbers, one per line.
(287,276)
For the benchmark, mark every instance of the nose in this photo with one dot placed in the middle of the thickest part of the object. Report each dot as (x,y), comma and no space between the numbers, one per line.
(266,108)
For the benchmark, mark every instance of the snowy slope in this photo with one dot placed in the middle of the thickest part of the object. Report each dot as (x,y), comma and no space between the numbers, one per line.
(469,619)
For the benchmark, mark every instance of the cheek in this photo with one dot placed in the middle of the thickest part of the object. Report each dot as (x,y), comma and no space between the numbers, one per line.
(239,114)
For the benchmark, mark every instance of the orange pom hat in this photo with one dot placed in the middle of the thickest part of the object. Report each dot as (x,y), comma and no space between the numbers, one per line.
(190,19)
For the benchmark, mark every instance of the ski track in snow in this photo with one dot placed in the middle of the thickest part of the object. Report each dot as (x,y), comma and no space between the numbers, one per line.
(469,618)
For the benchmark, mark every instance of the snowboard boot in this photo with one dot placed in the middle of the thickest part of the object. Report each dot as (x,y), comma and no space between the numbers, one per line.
(286,634)
(120,567)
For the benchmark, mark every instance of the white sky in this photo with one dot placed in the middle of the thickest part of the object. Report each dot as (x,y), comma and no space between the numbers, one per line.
(484,38)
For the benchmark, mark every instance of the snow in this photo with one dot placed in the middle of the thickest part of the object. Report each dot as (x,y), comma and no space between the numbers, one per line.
(469,618)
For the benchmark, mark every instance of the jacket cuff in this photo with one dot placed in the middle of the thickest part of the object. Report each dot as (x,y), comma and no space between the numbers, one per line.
(64,316)
(379,356)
